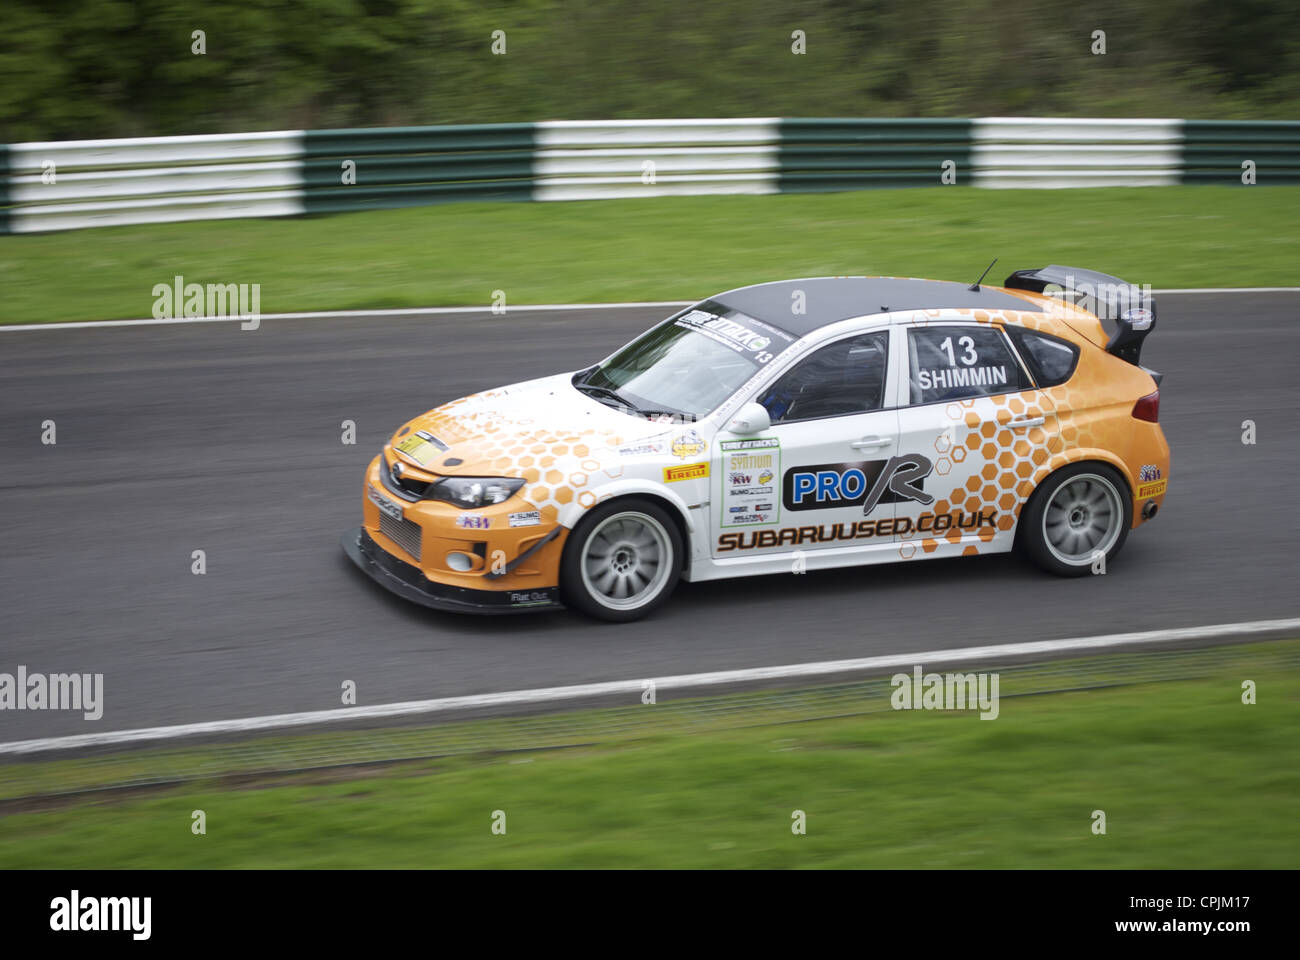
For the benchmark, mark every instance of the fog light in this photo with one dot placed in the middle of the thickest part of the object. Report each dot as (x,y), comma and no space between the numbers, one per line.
(460,562)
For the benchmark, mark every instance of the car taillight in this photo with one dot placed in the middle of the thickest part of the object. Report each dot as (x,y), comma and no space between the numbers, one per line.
(1148,408)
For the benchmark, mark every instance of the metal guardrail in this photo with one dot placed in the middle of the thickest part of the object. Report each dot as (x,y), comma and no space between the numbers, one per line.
(856,154)
(35,777)
(1214,150)
(75,184)
(415,166)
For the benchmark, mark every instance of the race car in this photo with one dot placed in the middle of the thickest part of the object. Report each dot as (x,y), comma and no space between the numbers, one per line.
(788,426)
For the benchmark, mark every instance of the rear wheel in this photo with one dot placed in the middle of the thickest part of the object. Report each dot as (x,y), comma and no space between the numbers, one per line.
(622,560)
(1076,515)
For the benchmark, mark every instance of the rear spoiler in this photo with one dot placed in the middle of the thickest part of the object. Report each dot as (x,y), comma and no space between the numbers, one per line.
(1129,308)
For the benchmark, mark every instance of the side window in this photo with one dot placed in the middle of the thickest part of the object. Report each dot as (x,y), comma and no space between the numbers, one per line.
(954,363)
(1050,359)
(841,378)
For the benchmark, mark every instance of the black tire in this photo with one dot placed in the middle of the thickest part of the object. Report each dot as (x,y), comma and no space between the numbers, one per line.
(638,533)
(1058,523)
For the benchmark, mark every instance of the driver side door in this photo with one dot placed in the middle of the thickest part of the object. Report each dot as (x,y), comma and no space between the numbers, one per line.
(817,479)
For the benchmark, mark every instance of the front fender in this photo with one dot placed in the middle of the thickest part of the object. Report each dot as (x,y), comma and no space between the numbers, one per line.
(571,513)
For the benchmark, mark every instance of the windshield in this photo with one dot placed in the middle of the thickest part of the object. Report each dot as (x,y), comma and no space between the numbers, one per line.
(689,364)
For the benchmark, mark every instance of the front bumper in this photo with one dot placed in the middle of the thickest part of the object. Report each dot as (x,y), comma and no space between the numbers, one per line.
(408,582)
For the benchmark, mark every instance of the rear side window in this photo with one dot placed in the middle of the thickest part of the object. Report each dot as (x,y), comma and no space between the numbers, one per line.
(954,363)
(844,378)
(1050,359)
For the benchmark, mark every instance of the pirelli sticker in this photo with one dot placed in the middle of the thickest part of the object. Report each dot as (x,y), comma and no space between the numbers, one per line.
(689,471)
(1152,489)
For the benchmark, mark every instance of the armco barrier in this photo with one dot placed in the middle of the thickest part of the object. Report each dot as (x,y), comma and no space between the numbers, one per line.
(1215,150)
(856,154)
(67,185)
(1039,152)
(596,160)
(414,166)
(89,183)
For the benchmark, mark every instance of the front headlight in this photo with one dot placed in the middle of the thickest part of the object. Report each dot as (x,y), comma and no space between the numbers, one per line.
(467,492)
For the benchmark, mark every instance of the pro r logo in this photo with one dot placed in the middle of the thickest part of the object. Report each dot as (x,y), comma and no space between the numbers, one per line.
(870,483)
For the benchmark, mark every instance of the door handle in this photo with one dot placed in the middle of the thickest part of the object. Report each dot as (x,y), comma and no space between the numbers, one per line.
(1026,422)
(870,443)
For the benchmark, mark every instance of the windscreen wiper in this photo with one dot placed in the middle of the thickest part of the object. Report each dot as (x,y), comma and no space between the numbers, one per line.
(622,401)
(604,392)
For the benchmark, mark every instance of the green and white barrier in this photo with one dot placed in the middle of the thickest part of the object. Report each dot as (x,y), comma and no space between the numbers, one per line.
(68,185)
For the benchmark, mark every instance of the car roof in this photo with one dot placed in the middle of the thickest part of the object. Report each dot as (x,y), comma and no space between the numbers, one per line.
(829,300)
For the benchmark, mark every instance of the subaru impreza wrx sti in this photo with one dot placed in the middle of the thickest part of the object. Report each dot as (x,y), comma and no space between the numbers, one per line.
(800,424)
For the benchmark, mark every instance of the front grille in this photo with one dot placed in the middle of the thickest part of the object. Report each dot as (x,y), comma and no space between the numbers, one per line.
(405,533)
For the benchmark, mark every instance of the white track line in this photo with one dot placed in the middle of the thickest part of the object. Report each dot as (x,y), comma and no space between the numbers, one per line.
(436,311)
(332,314)
(634,688)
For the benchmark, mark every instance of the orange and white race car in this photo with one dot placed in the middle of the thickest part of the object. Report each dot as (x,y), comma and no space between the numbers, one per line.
(795,425)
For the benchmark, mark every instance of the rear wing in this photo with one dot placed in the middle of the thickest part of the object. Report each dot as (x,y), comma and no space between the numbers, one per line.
(1126,310)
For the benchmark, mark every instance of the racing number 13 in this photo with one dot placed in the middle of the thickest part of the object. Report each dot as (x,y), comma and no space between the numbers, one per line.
(968,348)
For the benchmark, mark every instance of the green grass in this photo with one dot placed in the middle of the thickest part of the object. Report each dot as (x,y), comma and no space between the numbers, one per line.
(1187,775)
(661,249)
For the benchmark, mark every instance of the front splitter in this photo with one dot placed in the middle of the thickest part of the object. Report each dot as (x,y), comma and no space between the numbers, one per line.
(408,582)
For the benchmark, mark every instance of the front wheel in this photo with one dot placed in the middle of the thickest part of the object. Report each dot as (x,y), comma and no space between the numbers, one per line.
(622,560)
(1077,515)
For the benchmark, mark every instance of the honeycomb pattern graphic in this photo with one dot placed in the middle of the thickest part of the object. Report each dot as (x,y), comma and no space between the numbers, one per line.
(559,466)
(1077,426)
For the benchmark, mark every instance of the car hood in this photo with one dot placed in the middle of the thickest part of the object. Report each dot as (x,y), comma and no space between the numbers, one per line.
(514,430)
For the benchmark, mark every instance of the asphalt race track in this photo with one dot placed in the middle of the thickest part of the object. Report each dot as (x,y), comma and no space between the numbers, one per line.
(206,436)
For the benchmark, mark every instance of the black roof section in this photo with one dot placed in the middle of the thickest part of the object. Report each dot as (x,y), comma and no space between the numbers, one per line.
(830,299)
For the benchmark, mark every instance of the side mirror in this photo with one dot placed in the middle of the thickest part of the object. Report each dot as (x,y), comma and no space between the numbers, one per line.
(749,420)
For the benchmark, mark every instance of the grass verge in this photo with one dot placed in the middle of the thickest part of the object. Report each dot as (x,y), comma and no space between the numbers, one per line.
(675,248)
(1187,775)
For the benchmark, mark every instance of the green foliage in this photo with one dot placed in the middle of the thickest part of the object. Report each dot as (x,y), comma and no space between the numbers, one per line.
(107,68)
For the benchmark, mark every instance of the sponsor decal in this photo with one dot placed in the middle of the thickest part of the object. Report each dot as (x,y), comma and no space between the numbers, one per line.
(528,518)
(1148,472)
(688,444)
(745,461)
(745,335)
(826,486)
(1139,318)
(927,523)
(654,447)
(691,471)
(383,503)
(529,598)
(1152,489)
(421,446)
(473,521)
